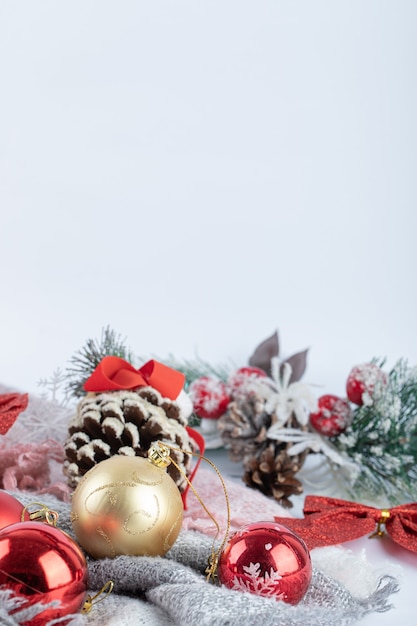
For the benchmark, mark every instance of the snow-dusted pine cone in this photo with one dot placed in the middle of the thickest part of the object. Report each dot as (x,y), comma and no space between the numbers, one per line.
(127,423)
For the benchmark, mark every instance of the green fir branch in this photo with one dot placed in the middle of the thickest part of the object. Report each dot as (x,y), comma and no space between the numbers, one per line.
(382,439)
(85,360)
(193,369)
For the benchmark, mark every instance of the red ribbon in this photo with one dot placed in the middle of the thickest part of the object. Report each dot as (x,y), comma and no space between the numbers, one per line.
(114,373)
(200,441)
(329,521)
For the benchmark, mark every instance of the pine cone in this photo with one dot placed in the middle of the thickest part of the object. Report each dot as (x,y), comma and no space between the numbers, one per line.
(243,427)
(266,462)
(126,423)
(271,470)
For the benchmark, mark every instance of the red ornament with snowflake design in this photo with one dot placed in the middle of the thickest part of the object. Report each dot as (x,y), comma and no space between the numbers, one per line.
(333,416)
(266,559)
(362,380)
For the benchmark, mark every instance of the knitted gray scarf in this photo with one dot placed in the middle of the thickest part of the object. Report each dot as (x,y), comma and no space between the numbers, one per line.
(172,590)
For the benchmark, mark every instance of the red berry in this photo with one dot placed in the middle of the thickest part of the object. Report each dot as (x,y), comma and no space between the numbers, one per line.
(209,397)
(243,375)
(333,416)
(362,379)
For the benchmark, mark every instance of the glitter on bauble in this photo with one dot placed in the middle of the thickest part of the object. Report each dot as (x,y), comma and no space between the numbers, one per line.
(266,559)
(126,505)
(40,565)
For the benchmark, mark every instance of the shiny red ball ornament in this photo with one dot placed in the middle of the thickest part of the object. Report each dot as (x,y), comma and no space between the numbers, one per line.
(10,510)
(209,396)
(332,417)
(362,380)
(41,564)
(266,559)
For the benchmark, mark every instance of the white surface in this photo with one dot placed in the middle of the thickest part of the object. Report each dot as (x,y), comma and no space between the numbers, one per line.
(197,174)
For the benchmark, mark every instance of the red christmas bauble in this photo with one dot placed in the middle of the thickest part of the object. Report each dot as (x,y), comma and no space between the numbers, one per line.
(244,375)
(266,559)
(10,510)
(332,417)
(362,379)
(209,396)
(41,564)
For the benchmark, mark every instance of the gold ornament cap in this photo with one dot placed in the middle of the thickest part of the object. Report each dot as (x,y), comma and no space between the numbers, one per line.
(158,454)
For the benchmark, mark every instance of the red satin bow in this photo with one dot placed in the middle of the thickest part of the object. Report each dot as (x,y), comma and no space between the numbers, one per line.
(329,521)
(201,443)
(113,373)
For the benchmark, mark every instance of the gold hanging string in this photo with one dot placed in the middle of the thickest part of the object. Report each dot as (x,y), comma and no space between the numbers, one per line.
(159,455)
(90,601)
(44,514)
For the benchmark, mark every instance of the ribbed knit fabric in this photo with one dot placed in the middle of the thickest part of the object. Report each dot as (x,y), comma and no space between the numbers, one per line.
(172,590)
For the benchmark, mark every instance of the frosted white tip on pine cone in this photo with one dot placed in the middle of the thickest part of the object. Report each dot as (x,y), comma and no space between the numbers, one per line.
(185,405)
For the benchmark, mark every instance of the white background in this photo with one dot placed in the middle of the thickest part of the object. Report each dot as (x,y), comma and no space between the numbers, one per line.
(199,174)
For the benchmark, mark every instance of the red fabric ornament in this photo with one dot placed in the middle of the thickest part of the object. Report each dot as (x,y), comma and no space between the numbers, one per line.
(209,396)
(333,416)
(329,521)
(362,379)
(41,564)
(113,373)
(25,466)
(11,404)
(10,510)
(266,559)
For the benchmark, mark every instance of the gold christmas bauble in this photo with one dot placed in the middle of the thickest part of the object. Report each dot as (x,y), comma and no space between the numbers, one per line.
(126,505)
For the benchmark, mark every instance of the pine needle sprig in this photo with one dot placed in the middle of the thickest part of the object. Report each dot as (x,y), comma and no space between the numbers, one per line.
(193,369)
(382,439)
(86,359)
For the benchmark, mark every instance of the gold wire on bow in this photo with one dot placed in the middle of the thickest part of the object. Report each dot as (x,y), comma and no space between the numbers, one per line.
(90,601)
(44,514)
(379,532)
(159,455)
